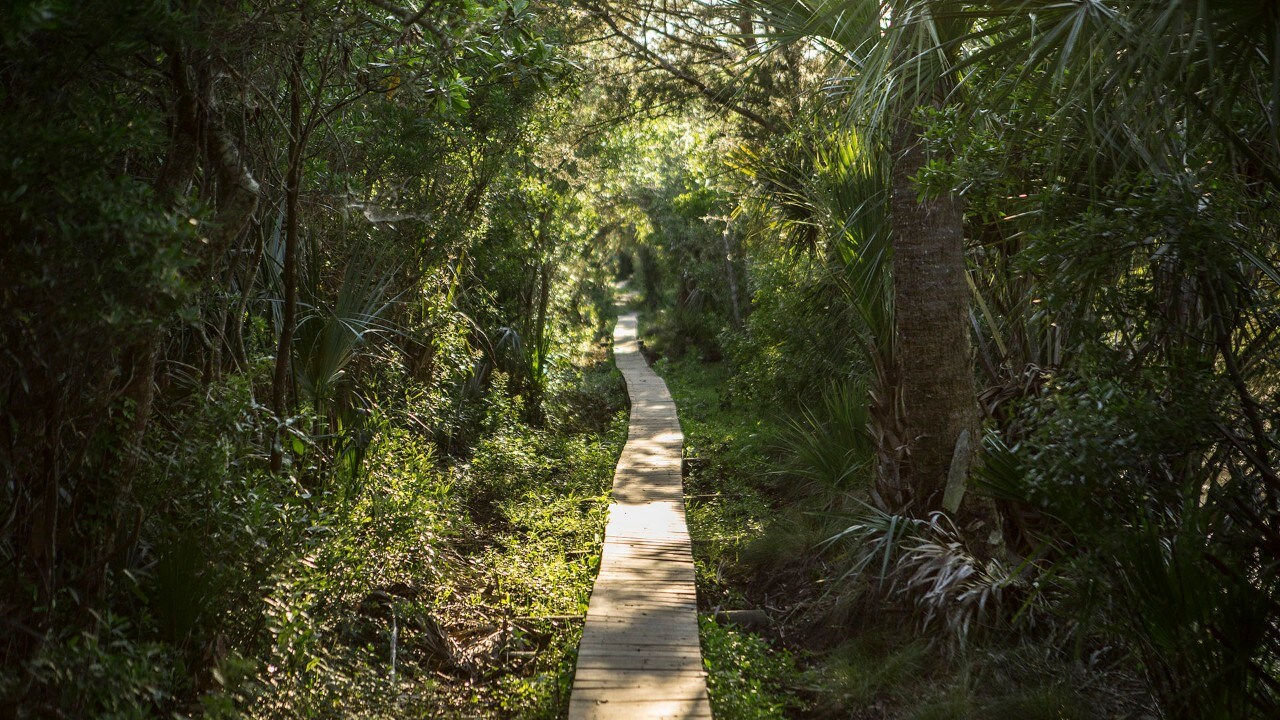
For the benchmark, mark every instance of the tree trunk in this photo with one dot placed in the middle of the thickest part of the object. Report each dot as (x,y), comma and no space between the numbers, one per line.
(731,274)
(171,185)
(293,180)
(938,396)
(235,335)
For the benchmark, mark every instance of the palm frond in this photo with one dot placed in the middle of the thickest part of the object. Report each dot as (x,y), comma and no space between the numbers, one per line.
(330,334)
(925,562)
(829,445)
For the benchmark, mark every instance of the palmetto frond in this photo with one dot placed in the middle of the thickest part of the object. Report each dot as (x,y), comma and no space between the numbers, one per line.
(829,444)
(893,54)
(1137,71)
(1146,76)
(924,561)
(331,333)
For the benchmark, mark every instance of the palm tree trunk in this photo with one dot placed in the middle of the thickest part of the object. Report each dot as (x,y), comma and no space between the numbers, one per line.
(938,395)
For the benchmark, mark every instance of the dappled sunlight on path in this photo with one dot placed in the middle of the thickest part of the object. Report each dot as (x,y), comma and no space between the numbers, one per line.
(639,656)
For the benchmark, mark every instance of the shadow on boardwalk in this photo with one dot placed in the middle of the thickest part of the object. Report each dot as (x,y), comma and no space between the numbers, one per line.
(639,656)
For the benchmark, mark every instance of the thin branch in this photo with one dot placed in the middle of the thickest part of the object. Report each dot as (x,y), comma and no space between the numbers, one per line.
(703,89)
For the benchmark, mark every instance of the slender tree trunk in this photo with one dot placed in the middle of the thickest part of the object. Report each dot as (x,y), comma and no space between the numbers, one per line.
(731,274)
(184,146)
(140,360)
(539,340)
(293,180)
(938,395)
(171,185)
(236,331)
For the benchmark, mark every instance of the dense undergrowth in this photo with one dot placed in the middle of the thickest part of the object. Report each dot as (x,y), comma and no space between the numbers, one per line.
(994,421)
(306,407)
(786,633)
(424,586)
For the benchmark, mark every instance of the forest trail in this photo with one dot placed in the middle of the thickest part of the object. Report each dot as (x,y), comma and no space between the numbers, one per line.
(639,656)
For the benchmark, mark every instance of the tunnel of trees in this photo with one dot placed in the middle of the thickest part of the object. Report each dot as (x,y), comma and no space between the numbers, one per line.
(971,310)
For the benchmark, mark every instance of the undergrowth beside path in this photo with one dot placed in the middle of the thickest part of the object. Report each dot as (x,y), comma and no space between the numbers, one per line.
(513,575)
(784,636)
(436,587)
(519,581)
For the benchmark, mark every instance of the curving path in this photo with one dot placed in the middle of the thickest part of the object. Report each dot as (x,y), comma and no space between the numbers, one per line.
(639,656)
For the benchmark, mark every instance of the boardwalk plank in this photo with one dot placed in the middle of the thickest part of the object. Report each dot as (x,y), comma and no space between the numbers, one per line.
(639,656)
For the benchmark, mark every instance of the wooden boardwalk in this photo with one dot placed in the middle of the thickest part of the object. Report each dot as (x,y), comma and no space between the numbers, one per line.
(639,656)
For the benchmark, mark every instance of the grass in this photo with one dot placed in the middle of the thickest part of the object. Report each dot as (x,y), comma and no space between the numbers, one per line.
(869,666)
(748,677)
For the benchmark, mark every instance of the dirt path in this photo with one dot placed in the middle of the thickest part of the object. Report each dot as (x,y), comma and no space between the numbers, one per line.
(639,656)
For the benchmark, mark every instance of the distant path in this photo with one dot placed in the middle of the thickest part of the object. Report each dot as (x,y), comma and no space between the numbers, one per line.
(639,656)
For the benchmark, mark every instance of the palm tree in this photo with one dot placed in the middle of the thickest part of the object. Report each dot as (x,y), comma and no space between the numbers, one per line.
(1183,94)
(896,56)
(1155,67)
(1149,85)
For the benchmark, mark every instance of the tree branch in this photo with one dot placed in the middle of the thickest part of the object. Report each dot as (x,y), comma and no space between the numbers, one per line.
(704,90)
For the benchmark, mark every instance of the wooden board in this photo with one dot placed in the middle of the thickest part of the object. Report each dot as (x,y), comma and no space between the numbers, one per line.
(639,656)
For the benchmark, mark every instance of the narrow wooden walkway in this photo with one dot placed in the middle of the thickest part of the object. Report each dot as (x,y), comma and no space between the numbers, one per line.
(639,656)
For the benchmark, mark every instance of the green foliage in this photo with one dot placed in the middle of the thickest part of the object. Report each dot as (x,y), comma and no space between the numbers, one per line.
(160,568)
(1150,553)
(814,215)
(795,340)
(93,267)
(871,667)
(586,401)
(330,608)
(462,206)
(329,335)
(748,678)
(866,651)
(830,445)
(105,673)
(680,229)
(286,604)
